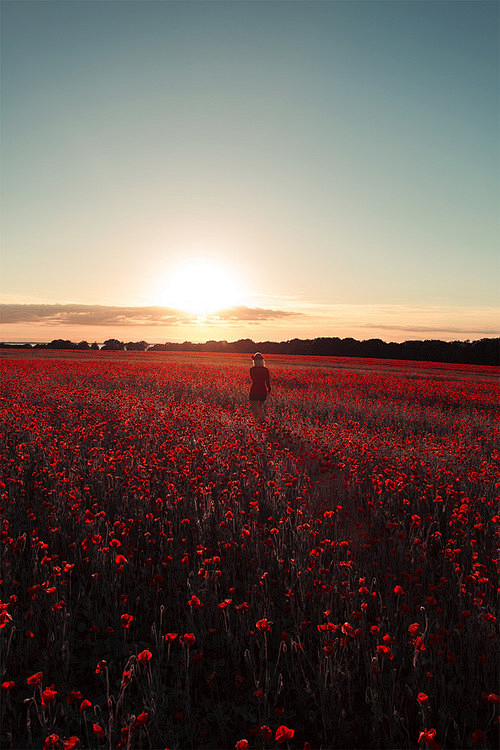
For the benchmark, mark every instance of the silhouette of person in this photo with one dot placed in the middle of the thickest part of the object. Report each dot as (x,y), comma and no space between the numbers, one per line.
(261,386)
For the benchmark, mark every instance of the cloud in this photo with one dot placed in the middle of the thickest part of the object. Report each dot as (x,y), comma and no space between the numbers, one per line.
(106,315)
(430,329)
(243,313)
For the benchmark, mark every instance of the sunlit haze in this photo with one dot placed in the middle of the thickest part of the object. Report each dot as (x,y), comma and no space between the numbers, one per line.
(179,171)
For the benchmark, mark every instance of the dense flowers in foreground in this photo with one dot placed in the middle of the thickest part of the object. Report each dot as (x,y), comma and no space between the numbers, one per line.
(176,575)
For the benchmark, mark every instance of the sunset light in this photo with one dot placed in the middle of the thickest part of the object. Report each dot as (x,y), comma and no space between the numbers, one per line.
(201,287)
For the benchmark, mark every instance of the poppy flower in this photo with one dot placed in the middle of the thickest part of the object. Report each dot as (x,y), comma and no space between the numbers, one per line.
(283,734)
(142,719)
(99,731)
(126,620)
(48,696)
(71,743)
(144,656)
(52,741)
(242,745)
(189,639)
(35,680)
(422,698)
(263,625)
(8,685)
(428,738)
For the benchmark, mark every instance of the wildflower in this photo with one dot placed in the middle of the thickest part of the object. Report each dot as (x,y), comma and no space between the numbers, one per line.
(99,731)
(242,745)
(101,666)
(8,685)
(126,619)
(35,680)
(48,696)
(75,695)
(189,639)
(170,637)
(52,741)
(398,590)
(71,743)
(283,734)
(263,625)
(478,736)
(85,705)
(144,656)
(428,737)
(142,719)
(195,602)
(422,698)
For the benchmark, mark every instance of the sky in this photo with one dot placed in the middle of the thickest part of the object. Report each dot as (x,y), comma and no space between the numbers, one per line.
(270,170)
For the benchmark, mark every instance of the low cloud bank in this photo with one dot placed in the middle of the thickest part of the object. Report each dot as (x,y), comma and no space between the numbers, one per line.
(432,329)
(106,315)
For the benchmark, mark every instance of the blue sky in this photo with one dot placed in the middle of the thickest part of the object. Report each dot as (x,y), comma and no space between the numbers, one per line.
(336,161)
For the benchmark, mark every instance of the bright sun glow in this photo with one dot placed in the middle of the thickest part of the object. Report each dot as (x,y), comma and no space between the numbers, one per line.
(201,287)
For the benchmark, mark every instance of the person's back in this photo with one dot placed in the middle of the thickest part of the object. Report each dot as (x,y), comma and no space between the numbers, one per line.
(261,385)
(260,381)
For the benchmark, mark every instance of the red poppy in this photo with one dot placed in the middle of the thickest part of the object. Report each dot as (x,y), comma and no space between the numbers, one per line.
(422,698)
(52,741)
(242,745)
(126,619)
(35,680)
(283,734)
(85,705)
(189,639)
(428,737)
(478,736)
(142,719)
(48,696)
(101,666)
(99,731)
(71,743)
(8,685)
(75,695)
(263,625)
(144,656)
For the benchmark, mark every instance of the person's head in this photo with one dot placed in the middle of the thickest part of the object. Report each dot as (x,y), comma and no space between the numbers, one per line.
(258,359)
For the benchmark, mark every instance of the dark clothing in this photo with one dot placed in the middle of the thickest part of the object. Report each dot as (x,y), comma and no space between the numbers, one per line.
(260,383)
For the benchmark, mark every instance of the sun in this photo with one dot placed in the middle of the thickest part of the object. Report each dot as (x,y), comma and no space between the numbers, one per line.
(201,287)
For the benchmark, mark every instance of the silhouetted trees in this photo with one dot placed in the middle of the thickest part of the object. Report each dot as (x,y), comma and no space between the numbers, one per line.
(113,345)
(480,352)
(136,346)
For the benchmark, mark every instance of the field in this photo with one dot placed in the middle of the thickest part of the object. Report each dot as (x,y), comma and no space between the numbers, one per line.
(177,575)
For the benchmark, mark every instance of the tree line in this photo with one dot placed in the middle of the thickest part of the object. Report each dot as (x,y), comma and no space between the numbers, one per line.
(484,351)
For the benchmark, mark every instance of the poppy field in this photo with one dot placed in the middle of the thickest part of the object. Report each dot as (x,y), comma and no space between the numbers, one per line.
(177,575)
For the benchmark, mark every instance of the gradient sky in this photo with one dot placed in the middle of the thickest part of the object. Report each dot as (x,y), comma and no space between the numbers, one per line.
(339,159)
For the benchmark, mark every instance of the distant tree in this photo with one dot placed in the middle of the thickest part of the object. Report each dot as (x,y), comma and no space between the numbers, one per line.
(245,346)
(61,344)
(113,345)
(136,346)
(94,347)
(83,345)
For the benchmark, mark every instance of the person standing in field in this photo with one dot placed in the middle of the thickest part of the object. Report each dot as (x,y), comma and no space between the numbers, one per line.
(261,386)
